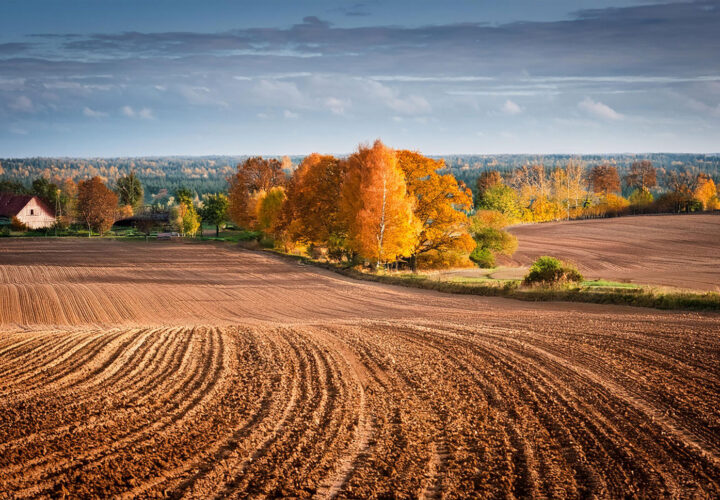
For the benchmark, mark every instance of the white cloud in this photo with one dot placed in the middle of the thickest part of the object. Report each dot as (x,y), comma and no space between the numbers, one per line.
(290,115)
(22,103)
(410,105)
(91,113)
(336,106)
(144,113)
(279,93)
(599,109)
(511,108)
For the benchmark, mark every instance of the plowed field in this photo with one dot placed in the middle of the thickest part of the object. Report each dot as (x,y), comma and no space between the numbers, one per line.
(181,370)
(670,250)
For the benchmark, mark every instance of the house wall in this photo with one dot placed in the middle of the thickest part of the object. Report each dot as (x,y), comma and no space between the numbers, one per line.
(34,216)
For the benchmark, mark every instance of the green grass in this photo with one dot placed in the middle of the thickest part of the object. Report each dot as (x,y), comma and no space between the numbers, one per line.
(608,284)
(597,292)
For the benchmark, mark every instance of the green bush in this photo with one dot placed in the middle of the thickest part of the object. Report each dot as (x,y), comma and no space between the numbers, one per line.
(551,270)
(483,257)
(5,231)
(266,242)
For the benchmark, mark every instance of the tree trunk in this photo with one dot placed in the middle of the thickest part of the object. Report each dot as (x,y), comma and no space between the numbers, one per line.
(217,231)
(413,263)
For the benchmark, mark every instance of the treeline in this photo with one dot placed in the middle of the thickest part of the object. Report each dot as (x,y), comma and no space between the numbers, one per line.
(378,206)
(535,193)
(157,174)
(208,174)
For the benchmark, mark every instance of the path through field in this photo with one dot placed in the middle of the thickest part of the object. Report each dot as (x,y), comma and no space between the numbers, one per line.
(197,371)
(671,250)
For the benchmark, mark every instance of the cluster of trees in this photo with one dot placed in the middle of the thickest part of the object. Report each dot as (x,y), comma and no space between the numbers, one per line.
(534,193)
(378,205)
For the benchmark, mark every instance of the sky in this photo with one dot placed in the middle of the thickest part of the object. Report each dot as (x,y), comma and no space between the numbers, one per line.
(106,78)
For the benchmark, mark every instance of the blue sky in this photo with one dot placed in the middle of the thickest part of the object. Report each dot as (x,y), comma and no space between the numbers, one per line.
(128,77)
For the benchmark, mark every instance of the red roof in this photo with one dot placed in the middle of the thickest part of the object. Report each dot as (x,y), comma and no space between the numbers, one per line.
(11,204)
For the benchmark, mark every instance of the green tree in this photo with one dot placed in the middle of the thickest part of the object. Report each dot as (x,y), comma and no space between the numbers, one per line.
(503,199)
(130,191)
(215,210)
(641,197)
(486,227)
(43,188)
(184,195)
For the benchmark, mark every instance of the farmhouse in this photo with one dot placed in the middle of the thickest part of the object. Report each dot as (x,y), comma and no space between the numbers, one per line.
(30,210)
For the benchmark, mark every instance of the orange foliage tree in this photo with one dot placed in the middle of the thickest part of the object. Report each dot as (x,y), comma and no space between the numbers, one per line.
(311,213)
(377,207)
(253,175)
(96,205)
(486,180)
(605,179)
(642,175)
(440,206)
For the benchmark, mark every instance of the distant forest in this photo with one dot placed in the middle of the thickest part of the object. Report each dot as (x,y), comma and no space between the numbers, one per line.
(208,174)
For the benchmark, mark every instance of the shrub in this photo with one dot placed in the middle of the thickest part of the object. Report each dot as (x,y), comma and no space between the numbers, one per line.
(5,231)
(434,259)
(483,257)
(18,225)
(551,270)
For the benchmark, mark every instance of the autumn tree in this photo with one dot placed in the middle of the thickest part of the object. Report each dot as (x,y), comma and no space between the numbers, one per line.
(531,183)
(215,210)
(269,206)
(377,206)
(130,191)
(253,175)
(311,212)
(604,179)
(184,218)
(440,206)
(502,198)
(567,185)
(96,205)
(706,193)
(642,175)
(486,180)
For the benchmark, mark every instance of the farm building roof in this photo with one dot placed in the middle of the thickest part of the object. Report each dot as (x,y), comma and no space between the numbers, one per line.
(11,204)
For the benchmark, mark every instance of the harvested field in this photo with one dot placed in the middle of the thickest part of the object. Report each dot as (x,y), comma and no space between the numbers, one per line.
(197,371)
(670,250)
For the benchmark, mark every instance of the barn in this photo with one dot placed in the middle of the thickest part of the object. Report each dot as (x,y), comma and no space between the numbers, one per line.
(29,209)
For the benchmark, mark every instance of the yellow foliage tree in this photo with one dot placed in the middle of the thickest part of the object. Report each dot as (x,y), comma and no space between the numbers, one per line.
(269,205)
(706,193)
(377,207)
(440,206)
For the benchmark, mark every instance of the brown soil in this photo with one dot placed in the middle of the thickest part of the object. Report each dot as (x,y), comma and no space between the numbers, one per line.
(673,250)
(181,370)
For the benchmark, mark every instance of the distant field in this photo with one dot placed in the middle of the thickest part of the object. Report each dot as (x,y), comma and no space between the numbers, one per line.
(671,250)
(192,370)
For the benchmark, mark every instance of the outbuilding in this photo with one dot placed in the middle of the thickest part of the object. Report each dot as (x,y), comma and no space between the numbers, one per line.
(29,209)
